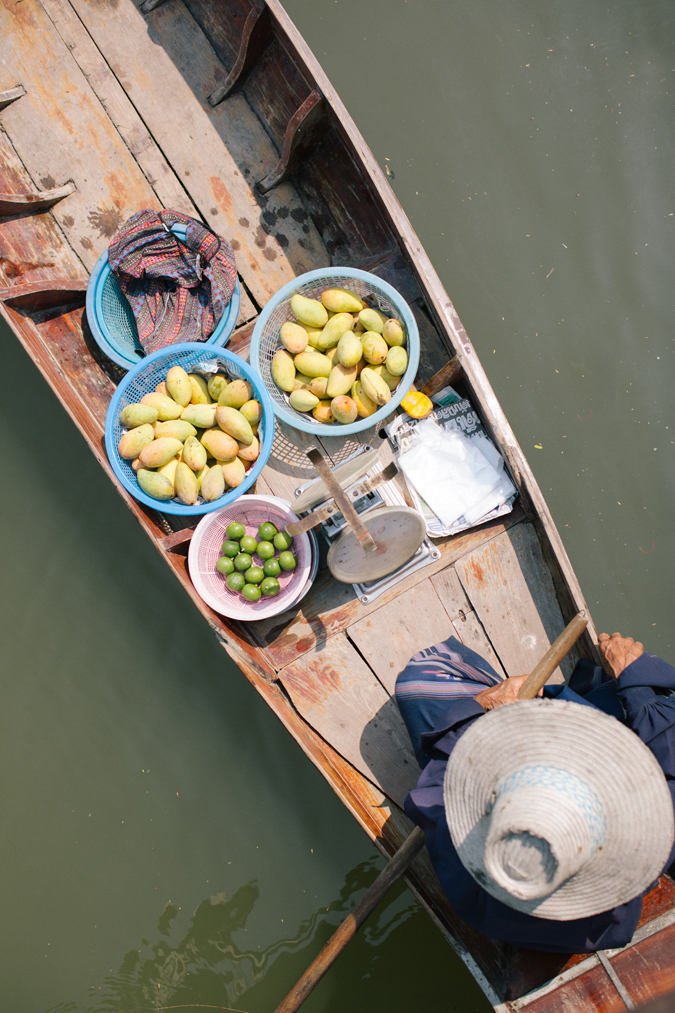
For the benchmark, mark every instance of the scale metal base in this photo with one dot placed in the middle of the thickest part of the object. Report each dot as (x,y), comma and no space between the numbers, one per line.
(385,495)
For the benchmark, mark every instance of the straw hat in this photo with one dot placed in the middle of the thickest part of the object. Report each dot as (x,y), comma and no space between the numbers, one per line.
(557,809)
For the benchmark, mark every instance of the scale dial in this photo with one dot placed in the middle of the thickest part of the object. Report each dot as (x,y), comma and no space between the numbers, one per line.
(398,530)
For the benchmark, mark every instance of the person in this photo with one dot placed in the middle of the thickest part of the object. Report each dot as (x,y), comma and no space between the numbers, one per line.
(562,862)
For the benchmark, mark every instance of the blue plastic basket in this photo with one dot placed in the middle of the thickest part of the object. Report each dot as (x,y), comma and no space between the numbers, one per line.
(265,341)
(113,325)
(143,379)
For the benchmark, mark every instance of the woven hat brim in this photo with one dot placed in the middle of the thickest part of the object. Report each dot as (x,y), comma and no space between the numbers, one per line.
(585,741)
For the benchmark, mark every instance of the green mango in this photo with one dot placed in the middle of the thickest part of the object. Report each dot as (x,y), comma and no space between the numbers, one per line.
(234,424)
(186,485)
(334,330)
(375,387)
(203,416)
(234,473)
(283,370)
(167,409)
(393,333)
(309,311)
(212,484)
(313,363)
(179,430)
(397,360)
(340,380)
(135,415)
(178,385)
(341,300)
(215,385)
(349,349)
(252,412)
(294,338)
(236,394)
(194,454)
(372,320)
(133,442)
(391,381)
(375,348)
(303,400)
(155,485)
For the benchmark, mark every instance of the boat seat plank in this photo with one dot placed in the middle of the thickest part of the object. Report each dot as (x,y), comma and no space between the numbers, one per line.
(331,607)
(511,591)
(219,153)
(61,132)
(340,697)
(466,624)
(388,637)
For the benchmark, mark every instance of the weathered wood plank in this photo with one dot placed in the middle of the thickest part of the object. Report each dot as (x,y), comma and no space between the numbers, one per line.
(116,103)
(214,151)
(331,607)
(61,132)
(389,637)
(511,590)
(466,624)
(338,695)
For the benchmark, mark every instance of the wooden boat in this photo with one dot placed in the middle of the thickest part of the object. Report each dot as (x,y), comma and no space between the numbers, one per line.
(221,111)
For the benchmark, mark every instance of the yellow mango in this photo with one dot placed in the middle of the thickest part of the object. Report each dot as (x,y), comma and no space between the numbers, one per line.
(283,370)
(250,452)
(323,412)
(234,473)
(393,333)
(135,415)
(294,338)
(341,300)
(178,385)
(303,400)
(169,471)
(344,409)
(313,363)
(219,444)
(364,405)
(161,388)
(391,381)
(200,389)
(186,485)
(375,387)
(194,454)
(203,416)
(215,385)
(334,330)
(234,424)
(397,360)
(133,442)
(309,311)
(349,349)
(313,335)
(318,386)
(252,412)
(160,451)
(167,408)
(212,484)
(301,382)
(340,380)
(236,394)
(375,348)
(178,429)
(372,320)
(155,485)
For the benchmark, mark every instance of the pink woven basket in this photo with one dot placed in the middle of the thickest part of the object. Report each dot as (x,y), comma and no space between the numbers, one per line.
(204,553)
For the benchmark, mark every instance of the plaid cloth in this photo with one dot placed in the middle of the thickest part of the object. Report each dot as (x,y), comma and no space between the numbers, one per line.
(178,290)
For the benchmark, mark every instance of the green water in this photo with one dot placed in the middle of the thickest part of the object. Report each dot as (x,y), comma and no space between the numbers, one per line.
(164,842)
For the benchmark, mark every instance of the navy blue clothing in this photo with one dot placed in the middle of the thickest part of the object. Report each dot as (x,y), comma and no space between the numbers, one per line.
(643,699)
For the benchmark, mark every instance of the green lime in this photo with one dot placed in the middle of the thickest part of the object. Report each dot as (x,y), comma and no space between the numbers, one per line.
(235,531)
(236,581)
(287,561)
(266,532)
(265,550)
(270,586)
(225,565)
(271,568)
(230,548)
(242,561)
(282,541)
(254,575)
(251,592)
(248,544)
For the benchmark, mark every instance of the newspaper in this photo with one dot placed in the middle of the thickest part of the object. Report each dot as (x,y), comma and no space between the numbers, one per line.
(451,413)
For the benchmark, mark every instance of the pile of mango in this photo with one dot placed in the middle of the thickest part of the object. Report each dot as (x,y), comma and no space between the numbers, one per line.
(192,438)
(342,359)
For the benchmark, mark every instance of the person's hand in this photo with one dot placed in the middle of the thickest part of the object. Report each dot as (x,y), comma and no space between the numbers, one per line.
(504,692)
(618,652)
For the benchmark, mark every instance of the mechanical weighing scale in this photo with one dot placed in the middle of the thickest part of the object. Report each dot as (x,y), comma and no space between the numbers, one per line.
(375,539)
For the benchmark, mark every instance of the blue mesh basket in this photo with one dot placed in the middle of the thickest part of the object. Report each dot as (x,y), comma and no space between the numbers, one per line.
(265,341)
(143,379)
(113,325)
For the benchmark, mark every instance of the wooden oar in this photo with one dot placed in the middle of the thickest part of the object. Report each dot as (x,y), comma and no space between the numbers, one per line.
(398,864)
